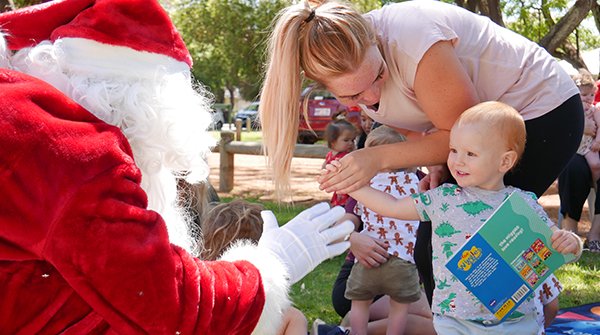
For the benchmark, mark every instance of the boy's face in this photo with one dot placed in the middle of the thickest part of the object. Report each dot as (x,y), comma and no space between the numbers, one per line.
(476,157)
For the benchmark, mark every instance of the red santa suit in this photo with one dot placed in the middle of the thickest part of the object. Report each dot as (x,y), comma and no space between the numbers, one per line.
(79,251)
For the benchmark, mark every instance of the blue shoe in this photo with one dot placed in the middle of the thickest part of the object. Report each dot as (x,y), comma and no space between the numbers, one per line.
(339,331)
(319,327)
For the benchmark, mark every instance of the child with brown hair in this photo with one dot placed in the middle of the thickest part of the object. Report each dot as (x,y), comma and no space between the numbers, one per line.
(340,135)
(486,142)
(225,224)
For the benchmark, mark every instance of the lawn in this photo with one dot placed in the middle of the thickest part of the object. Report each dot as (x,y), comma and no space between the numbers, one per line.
(312,294)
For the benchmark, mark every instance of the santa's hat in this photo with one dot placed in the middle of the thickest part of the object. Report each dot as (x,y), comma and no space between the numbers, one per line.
(119,35)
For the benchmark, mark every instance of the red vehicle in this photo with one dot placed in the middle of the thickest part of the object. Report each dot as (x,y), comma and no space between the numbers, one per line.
(323,108)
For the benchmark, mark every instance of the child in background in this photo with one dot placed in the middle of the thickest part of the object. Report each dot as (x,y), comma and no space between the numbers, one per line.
(223,224)
(365,126)
(398,277)
(486,141)
(340,136)
(590,145)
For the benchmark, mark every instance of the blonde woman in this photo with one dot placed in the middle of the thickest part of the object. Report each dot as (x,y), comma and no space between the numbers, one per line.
(422,63)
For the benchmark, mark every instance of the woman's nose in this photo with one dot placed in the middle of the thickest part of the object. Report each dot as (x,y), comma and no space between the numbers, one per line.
(371,96)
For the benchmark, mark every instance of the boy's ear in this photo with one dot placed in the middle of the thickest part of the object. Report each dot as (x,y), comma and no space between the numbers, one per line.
(508,161)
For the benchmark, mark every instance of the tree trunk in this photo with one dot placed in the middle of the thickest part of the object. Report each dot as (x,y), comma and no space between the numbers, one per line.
(596,13)
(571,55)
(6,5)
(563,28)
(495,12)
(232,97)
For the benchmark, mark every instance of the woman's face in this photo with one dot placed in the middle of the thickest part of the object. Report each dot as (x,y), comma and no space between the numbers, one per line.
(361,86)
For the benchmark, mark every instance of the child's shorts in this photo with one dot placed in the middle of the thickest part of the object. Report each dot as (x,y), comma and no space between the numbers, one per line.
(397,278)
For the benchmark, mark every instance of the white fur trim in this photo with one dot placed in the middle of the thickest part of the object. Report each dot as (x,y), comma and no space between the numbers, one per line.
(275,284)
(88,55)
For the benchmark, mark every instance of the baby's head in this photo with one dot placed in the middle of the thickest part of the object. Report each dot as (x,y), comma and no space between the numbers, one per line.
(386,135)
(383,135)
(225,223)
(486,142)
(340,136)
(587,87)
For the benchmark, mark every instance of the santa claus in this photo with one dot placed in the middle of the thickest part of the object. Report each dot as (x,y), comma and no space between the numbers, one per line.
(98,116)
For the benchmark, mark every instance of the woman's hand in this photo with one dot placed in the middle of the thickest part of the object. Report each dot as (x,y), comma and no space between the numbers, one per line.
(354,171)
(437,175)
(369,251)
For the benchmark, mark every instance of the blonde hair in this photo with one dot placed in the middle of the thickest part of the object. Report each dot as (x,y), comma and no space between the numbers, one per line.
(584,79)
(383,135)
(332,43)
(225,223)
(502,120)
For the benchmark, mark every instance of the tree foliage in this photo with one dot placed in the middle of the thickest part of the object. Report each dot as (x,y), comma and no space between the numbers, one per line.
(227,41)
(227,38)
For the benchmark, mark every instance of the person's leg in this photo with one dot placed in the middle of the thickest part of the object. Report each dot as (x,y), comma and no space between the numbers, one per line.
(593,238)
(294,323)
(340,304)
(552,140)
(593,160)
(422,255)
(397,318)
(574,185)
(359,318)
(550,312)
(419,320)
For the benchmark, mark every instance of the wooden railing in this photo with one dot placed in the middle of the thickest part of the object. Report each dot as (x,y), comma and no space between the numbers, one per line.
(228,148)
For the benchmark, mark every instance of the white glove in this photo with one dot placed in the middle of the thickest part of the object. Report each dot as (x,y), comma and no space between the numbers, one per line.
(302,243)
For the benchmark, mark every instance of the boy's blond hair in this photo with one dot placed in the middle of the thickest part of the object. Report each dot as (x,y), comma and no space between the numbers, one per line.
(333,42)
(386,135)
(225,223)
(501,120)
(383,135)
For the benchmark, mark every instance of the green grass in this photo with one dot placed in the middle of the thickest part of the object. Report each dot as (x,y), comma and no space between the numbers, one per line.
(580,280)
(312,294)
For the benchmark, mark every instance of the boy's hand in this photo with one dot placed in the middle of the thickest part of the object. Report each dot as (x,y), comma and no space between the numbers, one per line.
(332,167)
(565,241)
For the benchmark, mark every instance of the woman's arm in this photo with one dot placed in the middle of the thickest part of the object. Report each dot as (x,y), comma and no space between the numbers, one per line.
(444,91)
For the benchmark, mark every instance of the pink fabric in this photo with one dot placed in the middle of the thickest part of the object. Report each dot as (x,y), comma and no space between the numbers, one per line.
(79,251)
(337,199)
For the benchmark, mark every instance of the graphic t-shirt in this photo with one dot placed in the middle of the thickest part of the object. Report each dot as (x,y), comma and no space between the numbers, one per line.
(456,213)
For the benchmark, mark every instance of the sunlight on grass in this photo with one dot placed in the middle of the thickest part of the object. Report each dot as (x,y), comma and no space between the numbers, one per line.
(580,280)
(312,294)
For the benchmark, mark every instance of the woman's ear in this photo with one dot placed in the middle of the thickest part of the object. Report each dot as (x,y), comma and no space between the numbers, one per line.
(305,76)
(509,159)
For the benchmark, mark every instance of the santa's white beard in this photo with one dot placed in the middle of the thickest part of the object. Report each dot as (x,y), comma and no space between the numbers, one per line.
(163,117)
